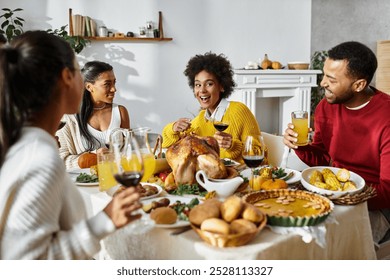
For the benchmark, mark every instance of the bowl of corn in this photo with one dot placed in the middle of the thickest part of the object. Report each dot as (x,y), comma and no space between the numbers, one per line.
(332,182)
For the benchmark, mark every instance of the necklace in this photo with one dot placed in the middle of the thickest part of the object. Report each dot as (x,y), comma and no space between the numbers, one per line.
(100,108)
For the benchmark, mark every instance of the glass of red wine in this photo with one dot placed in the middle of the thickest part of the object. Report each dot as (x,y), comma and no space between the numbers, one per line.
(128,170)
(253,153)
(219,121)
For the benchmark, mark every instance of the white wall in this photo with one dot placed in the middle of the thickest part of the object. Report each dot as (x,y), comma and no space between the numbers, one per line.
(150,76)
(335,21)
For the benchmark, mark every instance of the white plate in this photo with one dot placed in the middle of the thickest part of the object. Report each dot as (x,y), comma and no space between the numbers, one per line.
(172,199)
(294,179)
(359,181)
(231,162)
(93,184)
(73,173)
(112,190)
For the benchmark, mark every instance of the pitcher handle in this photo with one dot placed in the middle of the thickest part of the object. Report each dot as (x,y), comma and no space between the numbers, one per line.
(158,146)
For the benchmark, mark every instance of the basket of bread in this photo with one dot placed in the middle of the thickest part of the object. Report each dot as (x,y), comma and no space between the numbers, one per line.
(228,223)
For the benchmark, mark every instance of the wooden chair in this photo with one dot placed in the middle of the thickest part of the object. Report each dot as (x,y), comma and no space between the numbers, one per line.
(383,250)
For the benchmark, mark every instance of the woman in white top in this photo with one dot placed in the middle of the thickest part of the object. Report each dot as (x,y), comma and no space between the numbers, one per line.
(89,129)
(42,215)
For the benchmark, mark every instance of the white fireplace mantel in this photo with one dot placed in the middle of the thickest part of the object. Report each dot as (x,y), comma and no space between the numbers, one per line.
(281,92)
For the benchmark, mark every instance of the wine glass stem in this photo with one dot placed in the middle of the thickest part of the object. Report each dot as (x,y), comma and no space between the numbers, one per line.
(253,178)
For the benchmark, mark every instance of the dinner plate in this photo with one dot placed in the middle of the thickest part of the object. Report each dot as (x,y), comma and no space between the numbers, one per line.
(112,190)
(172,199)
(294,179)
(92,184)
(73,173)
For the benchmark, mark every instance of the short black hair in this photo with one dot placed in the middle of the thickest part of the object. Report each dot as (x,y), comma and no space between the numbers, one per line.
(362,62)
(218,65)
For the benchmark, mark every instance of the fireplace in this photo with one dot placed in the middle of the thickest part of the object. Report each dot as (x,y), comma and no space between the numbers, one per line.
(272,95)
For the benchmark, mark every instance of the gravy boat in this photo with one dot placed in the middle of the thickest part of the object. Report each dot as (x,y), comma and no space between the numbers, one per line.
(223,187)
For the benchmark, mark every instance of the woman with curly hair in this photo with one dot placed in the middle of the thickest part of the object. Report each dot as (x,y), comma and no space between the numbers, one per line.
(211,78)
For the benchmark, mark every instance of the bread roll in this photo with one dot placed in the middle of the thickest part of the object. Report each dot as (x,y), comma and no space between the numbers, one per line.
(86,160)
(215,225)
(252,213)
(242,226)
(213,201)
(164,215)
(202,212)
(231,208)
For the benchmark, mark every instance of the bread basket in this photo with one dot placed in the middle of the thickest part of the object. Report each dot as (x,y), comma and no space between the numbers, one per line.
(229,240)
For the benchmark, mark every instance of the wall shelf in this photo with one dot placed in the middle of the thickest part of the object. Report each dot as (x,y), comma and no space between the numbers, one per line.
(133,39)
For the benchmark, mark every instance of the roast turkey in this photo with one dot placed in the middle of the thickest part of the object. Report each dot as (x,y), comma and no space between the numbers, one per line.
(193,153)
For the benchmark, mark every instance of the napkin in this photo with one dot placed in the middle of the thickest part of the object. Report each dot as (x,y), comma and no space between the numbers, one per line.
(308,233)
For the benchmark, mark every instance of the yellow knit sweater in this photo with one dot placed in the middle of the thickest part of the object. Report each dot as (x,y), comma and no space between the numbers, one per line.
(241,124)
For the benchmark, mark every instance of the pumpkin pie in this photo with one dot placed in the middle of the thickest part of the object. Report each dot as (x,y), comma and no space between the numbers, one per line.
(291,207)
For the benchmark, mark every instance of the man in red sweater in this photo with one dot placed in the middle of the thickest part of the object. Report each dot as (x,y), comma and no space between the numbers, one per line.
(352,127)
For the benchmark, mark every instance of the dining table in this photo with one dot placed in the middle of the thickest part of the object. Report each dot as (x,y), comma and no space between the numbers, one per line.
(344,235)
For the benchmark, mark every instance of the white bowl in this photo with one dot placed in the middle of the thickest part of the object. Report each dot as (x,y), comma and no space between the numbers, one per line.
(358,180)
(298,65)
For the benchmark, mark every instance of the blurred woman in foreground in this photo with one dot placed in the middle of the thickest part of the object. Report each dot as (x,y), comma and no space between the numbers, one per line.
(41,212)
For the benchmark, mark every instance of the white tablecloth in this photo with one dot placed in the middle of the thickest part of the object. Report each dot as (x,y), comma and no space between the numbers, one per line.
(347,236)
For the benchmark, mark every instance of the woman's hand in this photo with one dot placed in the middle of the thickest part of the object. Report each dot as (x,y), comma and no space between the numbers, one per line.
(182,125)
(122,207)
(225,140)
(101,150)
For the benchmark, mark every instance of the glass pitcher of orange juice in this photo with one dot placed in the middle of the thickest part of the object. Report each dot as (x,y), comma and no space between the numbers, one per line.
(148,143)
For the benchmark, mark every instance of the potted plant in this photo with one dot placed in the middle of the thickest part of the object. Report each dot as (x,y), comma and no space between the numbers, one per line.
(77,43)
(12,25)
(317,93)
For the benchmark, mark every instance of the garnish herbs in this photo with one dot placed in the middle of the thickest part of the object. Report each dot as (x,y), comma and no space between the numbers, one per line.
(188,189)
(183,209)
(87,178)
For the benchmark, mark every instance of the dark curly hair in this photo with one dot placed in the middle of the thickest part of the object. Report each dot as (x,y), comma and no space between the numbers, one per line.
(362,62)
(218,65)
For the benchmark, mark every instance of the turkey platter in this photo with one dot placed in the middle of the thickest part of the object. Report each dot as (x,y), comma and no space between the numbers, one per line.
(191,154)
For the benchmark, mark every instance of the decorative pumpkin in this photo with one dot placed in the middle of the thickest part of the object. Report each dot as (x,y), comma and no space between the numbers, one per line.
(276,65)
(87,160)
(266,63)
(257,182)
(273,184)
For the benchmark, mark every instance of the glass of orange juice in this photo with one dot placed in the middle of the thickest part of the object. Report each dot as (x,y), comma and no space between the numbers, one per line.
(300,121)
(105,163)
